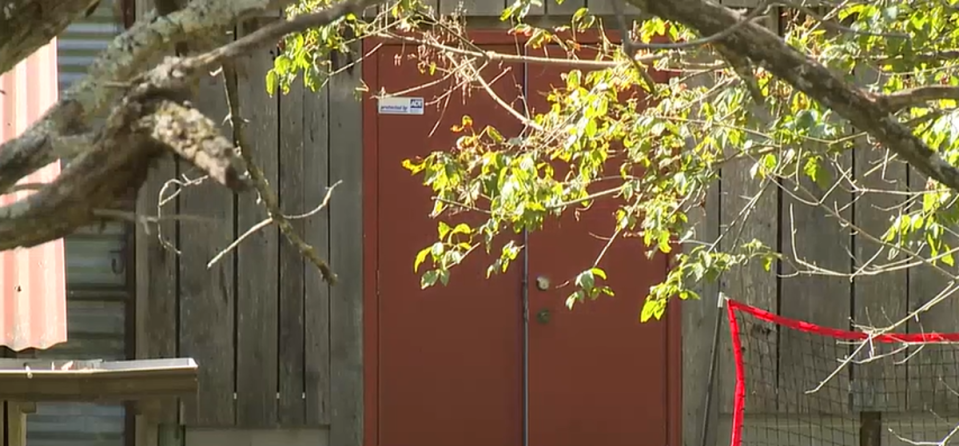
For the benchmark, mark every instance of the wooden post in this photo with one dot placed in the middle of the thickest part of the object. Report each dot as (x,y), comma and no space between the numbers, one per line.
(870,428)
(146,422)
(17,422)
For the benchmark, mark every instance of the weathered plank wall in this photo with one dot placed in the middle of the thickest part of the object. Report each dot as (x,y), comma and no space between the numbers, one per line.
(276,345)
(816,237)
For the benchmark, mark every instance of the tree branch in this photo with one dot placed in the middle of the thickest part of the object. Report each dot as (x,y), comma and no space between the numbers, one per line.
(27,25)
(805,74)
(912,97)
(150,117)
(141,127)
(270,200)
(127,55)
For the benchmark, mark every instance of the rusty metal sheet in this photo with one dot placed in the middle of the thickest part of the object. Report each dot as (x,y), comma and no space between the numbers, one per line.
(32,281)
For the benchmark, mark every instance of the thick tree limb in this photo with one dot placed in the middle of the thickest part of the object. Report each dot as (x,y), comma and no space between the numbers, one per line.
(912,97)
(149,119)
(805,74)
(27,25)
(197,139)
(127,55)
(139,129)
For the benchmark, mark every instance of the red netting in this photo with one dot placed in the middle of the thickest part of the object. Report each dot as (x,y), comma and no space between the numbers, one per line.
(793,383)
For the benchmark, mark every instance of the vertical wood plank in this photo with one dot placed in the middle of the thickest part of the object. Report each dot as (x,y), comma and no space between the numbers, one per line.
(258,255)
(17,422)
(145,425)
(157,269)
(605,8)
(207,295)
(698,318)
(804,359)
(434,5)
(316,136)
(740,3)
(564,10)
(881,299)
(291,405)
(750,283)
(346,257)
(474,8)
(932,371)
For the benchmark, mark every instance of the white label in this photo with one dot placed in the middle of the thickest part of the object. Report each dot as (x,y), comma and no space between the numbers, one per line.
(401,106)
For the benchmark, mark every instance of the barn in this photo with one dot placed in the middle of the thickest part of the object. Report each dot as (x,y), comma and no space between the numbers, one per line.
(285,358)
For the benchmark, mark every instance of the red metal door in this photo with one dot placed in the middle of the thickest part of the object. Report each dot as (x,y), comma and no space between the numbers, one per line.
(597,376)
(444,365)
(448,357)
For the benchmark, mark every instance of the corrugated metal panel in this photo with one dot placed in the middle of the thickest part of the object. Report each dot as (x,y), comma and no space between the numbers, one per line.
(83,40)
(96,278)
(32,290)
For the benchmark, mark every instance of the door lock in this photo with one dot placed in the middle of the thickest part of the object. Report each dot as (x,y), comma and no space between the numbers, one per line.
(542,283)
(542,316)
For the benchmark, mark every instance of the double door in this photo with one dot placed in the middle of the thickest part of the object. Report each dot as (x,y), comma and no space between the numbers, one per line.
(502,361)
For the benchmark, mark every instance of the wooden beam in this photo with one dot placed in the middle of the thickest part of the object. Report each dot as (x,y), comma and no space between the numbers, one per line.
(17,421)
(292,185)
(346,258)
(145,425)
(316,316)
(698,319)
(207,295)
(878,300)
(45,380)
(157,267)
(257,272)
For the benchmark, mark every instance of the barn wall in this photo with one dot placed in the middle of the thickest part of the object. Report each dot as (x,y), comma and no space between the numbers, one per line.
(811,234)
(264,329)
(276,345)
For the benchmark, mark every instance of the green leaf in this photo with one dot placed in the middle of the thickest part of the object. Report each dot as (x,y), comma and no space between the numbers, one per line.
(576,296)
(429,279)
(585,280)
(421,257)
(652,308)
(442,229)
(271,82)
(444,276)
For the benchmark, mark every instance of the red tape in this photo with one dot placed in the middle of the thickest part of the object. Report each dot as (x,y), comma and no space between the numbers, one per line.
(739,399)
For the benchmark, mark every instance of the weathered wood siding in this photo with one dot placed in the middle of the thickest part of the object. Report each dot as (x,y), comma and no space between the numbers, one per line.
(815,236)
(276,345)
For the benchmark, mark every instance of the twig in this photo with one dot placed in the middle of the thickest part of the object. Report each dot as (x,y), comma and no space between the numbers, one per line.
(270,200)
(266,222)
(318,208)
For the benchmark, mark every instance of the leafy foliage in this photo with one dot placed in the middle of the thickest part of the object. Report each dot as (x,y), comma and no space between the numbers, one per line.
(608,134)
